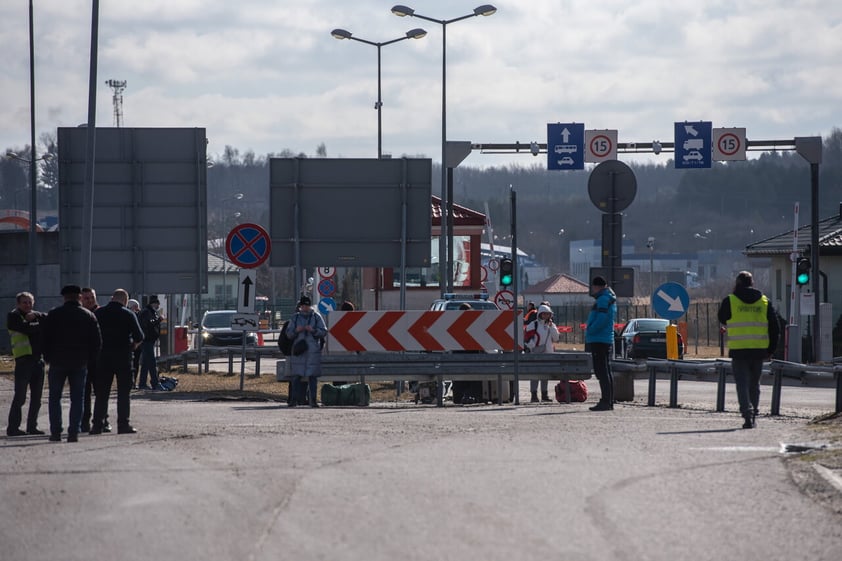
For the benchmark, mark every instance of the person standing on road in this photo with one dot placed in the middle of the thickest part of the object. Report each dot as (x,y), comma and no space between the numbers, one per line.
(599,337)
(134,306)
(89,302)
(24,325)
(753,331)
(121,334)
(150,323)
(71,342)
(539,336)
(308,330)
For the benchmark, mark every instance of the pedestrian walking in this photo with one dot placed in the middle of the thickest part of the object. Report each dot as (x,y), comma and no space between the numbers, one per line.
(599,338)
(71,342)
(753,331)
(121,334)
(24,325)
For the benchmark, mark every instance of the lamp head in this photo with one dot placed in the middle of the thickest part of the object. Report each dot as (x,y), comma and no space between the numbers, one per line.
(534,148)
(400,10)
(484,10)
(656,147)
(11,154)
(341,34)
(416,33)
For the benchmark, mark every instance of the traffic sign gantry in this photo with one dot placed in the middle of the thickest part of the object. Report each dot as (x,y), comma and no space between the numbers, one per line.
(565,146)
(248,245)
(670,300)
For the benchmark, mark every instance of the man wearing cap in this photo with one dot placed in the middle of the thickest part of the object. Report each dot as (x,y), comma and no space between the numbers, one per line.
(753,332)
(71,341)
(599,337)
(24,325)
(307,330)
(150,323)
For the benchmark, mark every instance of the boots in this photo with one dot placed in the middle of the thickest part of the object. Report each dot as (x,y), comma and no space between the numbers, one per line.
(534,397)
(545,396)
(749,421)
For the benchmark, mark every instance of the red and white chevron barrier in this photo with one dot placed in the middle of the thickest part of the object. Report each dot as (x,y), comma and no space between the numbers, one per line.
(463,330)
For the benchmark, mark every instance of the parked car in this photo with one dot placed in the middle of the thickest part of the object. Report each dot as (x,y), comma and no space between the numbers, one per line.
(645,338)
(453,301)
(215,330)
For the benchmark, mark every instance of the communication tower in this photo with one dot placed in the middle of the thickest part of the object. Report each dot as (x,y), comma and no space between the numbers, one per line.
(117,86)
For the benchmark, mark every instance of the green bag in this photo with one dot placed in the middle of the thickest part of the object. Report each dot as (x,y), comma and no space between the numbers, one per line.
(348,394)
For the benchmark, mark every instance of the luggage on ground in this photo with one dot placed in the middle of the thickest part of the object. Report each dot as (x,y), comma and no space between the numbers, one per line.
(576,389)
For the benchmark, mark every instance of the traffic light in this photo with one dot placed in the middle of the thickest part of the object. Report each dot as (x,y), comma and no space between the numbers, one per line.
(802,271)
(507,272)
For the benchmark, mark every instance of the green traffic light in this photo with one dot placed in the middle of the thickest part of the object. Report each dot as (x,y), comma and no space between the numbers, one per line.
(506,280)
(802,278)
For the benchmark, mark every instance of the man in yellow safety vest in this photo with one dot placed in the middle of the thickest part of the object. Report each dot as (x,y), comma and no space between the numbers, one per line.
(753,330)
(24,325)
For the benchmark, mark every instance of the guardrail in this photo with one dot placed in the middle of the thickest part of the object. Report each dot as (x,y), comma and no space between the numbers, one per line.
(718,371)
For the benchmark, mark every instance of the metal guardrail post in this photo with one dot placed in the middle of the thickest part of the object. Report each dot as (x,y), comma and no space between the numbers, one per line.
(500,389)
(777,383)
(439,391)
(720,387)
(230,362)
(652,380)
(673,386)
(837,373)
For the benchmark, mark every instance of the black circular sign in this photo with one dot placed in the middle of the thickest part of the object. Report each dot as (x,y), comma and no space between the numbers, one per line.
(612,186)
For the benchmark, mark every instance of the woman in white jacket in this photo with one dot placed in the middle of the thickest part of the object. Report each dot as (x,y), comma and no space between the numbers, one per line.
(539,336)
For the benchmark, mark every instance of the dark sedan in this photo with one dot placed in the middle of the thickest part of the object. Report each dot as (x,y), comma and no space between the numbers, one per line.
(645,338)
(216,330)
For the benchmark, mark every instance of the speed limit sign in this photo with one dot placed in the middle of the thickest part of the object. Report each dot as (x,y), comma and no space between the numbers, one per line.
(327,272)
(729,144)
(600,145)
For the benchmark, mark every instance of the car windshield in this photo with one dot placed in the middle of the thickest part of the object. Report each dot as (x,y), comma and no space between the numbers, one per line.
(652,325)
(221,319)
(482,305)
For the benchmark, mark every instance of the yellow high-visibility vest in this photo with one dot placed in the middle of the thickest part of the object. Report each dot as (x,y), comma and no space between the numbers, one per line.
(748,327)
(20,344)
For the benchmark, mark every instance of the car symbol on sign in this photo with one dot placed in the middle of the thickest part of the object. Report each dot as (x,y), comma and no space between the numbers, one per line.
(566,161)
(693,155)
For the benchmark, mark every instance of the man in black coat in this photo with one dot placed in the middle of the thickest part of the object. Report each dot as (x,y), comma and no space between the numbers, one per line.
(121,334)
(71,341)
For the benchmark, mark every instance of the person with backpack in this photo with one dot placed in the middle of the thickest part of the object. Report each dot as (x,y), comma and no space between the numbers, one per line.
(539,336)
(307,330)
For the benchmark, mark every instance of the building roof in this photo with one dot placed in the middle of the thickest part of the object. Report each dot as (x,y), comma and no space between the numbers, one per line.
(216,263)
(462,216)
(558,284)
(830,239)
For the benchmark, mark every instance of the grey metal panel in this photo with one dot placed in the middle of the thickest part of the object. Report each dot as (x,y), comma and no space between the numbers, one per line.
(150,209)
(350,211)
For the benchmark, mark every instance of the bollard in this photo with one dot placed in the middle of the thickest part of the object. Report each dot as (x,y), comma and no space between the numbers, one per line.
(777,371)
(720,388)
(673,386)
(652,379)
(838,374)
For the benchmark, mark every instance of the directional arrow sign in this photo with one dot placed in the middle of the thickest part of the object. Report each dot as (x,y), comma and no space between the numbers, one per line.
(247,291)
(670,300)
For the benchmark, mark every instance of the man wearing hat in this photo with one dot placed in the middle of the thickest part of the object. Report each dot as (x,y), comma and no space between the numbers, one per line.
(753,332)
(71,340)
(150,323)
(307,330)
(599,337)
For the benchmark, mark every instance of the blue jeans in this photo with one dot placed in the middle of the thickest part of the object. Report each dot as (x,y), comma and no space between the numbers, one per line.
(76,378)
(747,379)
(148,364)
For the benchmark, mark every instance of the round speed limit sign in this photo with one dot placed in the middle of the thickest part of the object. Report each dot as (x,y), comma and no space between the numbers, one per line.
(327,272)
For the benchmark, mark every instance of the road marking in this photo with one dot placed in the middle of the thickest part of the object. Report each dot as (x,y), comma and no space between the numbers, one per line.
(834,477)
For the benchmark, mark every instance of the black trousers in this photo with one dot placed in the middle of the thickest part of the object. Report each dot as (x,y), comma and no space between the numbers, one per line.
(113,364)
(29,373)
(601,355)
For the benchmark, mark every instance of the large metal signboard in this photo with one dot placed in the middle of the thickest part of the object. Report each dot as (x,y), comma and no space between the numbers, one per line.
(149,209)
(565,146)
(350,212)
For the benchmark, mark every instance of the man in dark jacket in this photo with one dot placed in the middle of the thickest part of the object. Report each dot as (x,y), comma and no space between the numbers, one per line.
(24,325)
(753,332)
(121,334)
(71,341)
(150,323)
(89,302)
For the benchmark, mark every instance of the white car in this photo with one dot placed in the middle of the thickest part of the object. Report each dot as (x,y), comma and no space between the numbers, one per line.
(693,155)
(566,161)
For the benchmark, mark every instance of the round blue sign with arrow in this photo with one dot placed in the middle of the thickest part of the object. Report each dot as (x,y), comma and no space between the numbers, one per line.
(327,305)
(670,300)
(248,245)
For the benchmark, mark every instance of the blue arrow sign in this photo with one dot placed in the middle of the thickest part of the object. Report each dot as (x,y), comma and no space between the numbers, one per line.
(326,305)
(566,146)
(693,148)
(670,300)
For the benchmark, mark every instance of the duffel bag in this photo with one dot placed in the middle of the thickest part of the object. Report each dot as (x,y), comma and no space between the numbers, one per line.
(576,389)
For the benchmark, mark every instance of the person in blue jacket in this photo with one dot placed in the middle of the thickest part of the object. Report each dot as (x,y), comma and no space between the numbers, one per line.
(308,331)
(599,337)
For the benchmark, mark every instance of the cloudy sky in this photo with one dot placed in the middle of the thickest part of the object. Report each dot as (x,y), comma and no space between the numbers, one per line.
(266,75)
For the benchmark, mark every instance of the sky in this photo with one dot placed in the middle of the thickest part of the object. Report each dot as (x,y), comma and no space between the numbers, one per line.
(266,75)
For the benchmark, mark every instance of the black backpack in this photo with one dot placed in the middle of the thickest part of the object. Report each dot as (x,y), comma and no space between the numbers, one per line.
(284,342)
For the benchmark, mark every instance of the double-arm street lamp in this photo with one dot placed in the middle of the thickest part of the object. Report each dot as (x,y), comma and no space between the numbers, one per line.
(446,208)
(411,34)
(33,210)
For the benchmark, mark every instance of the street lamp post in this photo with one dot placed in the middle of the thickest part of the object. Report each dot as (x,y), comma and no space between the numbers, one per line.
(650,243)
(234,197)
(446,209)
(411,34)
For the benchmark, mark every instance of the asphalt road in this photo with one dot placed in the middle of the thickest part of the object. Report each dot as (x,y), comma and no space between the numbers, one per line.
(255,481)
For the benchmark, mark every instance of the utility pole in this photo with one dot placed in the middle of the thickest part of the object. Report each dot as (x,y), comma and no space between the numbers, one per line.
(117,86)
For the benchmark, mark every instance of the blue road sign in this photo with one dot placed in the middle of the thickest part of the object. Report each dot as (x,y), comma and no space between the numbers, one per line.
(693,147)
(670,300)
(565,146)
(327,287)
(248,245)
(326,305)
